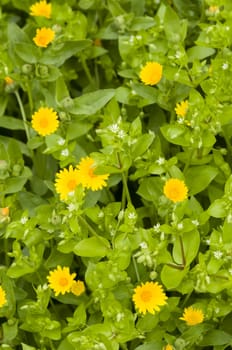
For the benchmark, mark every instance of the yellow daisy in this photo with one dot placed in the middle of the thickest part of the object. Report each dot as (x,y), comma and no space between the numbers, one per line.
(41,9)
(151,73)
(181,108)
(78,287)
(66,182)
(87,176)
(168,347)
(44,36)
(192,316)
(149,297)
(61,280)
(175,190)
(2,297)
(8,80)
(45,121)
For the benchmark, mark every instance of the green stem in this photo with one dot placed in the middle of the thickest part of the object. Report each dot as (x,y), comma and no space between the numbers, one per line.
(124,181)
(188,161)
(51,345)
(182,251)
(175,266)
(23,114)
(6,249)
(136,269)
(30,97)
(86,69)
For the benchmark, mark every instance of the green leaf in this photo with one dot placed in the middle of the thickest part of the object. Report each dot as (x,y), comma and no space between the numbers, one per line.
(171,277)
(150,346)
(142,145)
(56,55)
(27,52)
(77,129)
(177,134)
(175,29)
(149,93)
(218,209)
(91,102)
(191,243)
(91,247)
(11,123)
(216,337)
(151,189)
(199,177)
(199,53)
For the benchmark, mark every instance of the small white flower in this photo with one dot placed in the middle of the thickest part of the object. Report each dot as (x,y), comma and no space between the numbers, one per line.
(157,227)
(131,215)
(217,254)
(61,141)
(120,316)
(114,128)
(143,245)
(71,207)
(195,222)
(23,220)
(180,226)
(160,160)
(100,214)
(225,66)
(180,120)
(65,152)
(121,134)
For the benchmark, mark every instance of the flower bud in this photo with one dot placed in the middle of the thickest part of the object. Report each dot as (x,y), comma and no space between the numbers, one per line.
(27,68)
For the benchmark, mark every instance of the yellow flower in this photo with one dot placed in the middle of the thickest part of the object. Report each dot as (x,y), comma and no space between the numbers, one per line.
(151,73)
(66,182)
(175,190)
(45,121)
(61,280)
(168,347)
(78,287)
(213,10)
(8,80)
(148,297)
(181,108)
(87,176)
(192,316)
(44,36)
(2,297)
(41,9)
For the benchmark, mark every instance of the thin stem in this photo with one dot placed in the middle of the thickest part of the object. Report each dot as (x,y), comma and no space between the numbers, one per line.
(175,266)
(30,97)
(6,249)
(136,269)
(86,69)
(86,224)
(182,251)
(51,345)
(23,114)
(124,181)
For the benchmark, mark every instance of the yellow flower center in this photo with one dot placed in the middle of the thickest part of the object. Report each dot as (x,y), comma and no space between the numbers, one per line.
(71,184)
(91,173)
(43,123)
(63,281)
(146,295)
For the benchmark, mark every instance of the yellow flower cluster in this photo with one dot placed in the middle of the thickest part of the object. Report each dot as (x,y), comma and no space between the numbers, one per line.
(44,36)
(68,179)
(61,281)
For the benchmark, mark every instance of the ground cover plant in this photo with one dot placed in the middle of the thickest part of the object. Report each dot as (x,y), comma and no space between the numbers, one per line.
(115,174)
